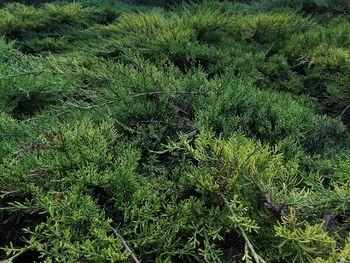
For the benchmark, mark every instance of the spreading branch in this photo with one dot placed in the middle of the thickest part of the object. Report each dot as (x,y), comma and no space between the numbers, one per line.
(248,245)
(158,93)
(33,73)
(25,150)
(125,245)
(344,111)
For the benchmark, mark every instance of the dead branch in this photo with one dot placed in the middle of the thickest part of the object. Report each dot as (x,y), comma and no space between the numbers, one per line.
(158,93)
(329,223)
(125,245)
(271,206)
(344,111)
(25,150)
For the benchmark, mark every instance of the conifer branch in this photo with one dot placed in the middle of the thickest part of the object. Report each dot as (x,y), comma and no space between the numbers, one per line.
(125,245)
(344,111)
(248,246)
(25,150)
(158,93)
(33,73)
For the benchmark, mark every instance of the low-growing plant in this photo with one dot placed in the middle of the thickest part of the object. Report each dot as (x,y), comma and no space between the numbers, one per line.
(203,132)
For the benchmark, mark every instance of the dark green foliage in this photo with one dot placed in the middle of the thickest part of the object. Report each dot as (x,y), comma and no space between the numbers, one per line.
(212,132)
(310,7)
(163,3)
(269,116)
(17,19)
(41,29)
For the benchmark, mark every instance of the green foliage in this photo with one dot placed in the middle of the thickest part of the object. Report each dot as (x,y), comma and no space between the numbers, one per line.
(303,241)
(339,256)
(74,217)
(162,3)
(17,19)
(28,24)
(268,116)
(201,132)
(314,7)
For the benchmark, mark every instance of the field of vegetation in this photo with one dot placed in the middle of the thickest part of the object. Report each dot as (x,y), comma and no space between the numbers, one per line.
(162,131)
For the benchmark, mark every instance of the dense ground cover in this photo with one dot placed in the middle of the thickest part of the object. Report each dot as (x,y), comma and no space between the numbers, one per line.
(162,131)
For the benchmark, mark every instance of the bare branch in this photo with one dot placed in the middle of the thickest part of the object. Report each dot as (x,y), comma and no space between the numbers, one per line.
(25,150)
(158,93)
(344,111)
(125,245)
